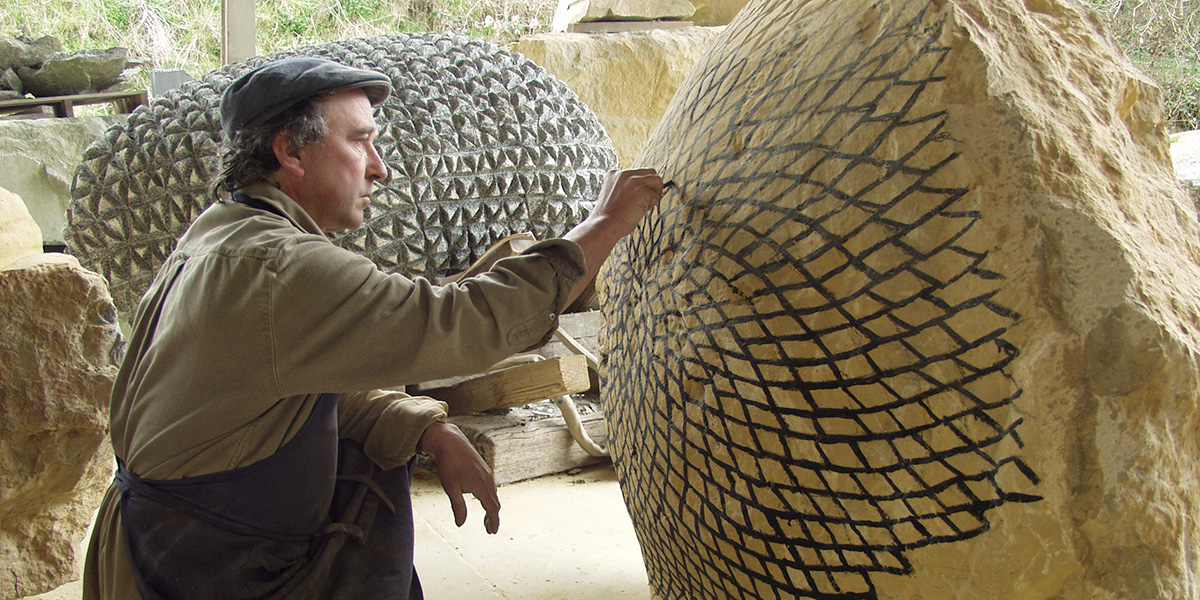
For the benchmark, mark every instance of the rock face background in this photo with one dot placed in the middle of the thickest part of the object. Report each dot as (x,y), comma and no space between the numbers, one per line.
(55,460)
(479,143)
(919,319)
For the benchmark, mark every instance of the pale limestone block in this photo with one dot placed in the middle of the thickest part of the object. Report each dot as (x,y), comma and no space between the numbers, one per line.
(919,320)
(627,78)
(38,158)
(59,351)
(716,12)
(19,234)
(1185,153)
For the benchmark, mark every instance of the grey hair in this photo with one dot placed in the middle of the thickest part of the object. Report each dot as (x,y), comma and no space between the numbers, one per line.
(249,156)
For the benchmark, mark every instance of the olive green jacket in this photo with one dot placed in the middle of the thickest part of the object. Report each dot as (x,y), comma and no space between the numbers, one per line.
(253,316)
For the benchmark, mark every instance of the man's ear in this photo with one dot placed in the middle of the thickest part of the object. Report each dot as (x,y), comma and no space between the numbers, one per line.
(287,154)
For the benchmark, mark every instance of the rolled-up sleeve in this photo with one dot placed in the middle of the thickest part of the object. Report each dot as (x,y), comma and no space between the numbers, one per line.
(387,423)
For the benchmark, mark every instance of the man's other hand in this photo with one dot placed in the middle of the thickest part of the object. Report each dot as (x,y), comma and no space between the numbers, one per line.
(461,470)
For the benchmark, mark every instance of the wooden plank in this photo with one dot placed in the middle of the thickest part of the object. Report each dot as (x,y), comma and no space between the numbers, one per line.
(517,447)
(584,327)
(514,386)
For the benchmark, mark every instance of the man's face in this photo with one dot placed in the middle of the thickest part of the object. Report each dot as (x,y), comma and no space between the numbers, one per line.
(340,171)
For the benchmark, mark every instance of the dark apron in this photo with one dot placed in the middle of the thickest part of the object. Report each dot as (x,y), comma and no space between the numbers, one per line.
(316,519)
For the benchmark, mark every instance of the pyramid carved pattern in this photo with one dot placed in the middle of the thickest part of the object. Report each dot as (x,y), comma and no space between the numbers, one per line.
(480,143)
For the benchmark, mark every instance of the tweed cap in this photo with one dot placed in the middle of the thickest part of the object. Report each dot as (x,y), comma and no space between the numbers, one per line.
(269,90)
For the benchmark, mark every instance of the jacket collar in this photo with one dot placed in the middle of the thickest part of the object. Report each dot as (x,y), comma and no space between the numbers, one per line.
(274,196)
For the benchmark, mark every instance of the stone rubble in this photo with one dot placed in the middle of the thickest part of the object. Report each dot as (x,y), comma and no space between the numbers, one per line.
(39,67)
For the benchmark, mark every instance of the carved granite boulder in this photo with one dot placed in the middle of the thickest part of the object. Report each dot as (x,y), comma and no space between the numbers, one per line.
(919,318)
(479,144)
(59,350)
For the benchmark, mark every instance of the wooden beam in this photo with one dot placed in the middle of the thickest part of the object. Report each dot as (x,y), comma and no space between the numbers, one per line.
(237,30)
(518,446)
(514,386)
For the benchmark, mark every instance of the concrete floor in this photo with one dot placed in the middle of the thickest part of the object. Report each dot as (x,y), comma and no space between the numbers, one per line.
(562,537)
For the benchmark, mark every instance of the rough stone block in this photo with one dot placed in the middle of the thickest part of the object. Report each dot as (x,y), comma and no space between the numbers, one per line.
(63,74)
(626,78)
(920,319)
(59,351)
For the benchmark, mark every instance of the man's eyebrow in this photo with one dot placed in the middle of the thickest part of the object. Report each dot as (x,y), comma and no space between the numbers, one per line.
(364,130)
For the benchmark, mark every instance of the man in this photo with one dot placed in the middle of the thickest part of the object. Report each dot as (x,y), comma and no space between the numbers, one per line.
(260,451)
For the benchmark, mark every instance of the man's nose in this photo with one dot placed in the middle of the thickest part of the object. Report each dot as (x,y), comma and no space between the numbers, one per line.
(376,170)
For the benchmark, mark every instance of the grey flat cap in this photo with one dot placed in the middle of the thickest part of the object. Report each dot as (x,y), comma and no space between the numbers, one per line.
(269,90)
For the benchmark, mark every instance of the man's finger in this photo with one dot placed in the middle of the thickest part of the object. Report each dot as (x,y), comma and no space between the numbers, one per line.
(491,523)
(491,506)
(459,505)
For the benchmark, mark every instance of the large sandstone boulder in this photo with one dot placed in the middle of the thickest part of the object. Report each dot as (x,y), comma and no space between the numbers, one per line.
(479,143)
(919,318)
(59,350)
(627,78)
(38,158)
(1185,153)
(19,234)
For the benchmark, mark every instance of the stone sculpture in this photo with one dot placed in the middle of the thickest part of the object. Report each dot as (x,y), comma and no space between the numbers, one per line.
(480,144)
(919,318)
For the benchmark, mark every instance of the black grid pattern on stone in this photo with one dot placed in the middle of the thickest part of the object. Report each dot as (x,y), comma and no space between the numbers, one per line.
(480,143)
(806,367)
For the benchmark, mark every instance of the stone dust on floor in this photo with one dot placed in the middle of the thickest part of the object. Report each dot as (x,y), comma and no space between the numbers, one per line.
(562,537)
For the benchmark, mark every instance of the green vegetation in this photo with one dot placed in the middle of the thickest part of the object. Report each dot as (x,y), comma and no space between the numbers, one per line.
(185,34)
(1162,37)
